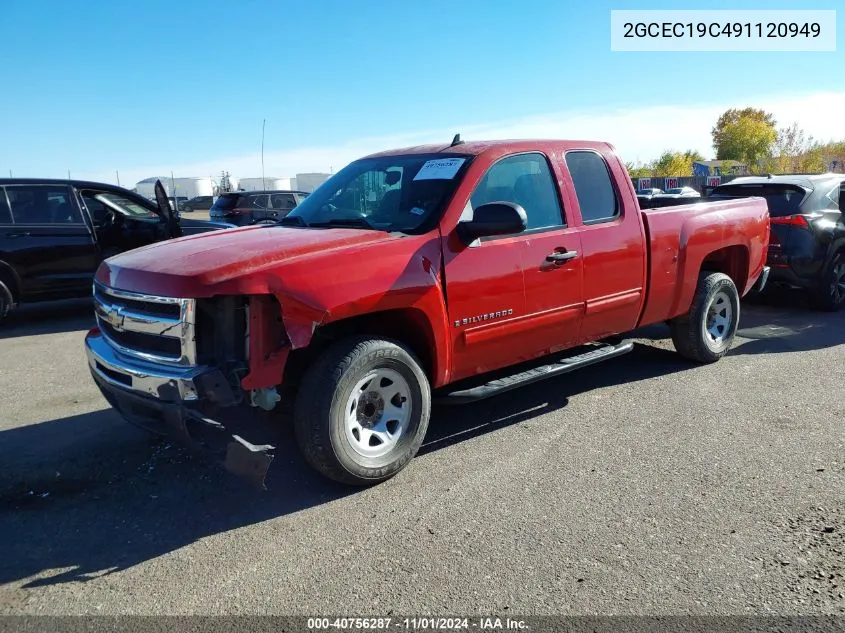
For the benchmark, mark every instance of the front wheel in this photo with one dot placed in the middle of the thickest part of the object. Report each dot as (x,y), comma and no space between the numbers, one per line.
(830,295)
(706,332)
(362,411)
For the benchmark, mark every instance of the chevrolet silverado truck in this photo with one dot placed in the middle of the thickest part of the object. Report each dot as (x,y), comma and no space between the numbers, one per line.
(448,273)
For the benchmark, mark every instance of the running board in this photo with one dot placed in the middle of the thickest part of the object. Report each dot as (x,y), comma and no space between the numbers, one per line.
(535,374)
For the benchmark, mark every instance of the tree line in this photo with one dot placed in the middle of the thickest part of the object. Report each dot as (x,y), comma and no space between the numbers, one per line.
(752,137)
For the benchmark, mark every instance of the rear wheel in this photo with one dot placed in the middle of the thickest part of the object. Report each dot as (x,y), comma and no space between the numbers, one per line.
(706,332)
(830,295)
(362,410)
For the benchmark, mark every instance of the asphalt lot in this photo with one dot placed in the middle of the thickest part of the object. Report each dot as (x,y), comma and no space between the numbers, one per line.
(644,485)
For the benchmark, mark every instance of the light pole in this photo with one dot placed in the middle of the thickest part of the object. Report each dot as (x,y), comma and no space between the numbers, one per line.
(263,183)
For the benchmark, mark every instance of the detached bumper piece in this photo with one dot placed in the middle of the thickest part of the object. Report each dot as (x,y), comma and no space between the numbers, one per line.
(163,400)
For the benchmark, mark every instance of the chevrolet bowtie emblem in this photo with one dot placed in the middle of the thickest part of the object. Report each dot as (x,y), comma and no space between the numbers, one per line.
(114,317)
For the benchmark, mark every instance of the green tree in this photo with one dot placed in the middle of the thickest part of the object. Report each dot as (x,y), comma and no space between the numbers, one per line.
(746,135)
(679,164)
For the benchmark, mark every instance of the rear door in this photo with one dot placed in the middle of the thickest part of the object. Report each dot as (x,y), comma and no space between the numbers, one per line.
(613,243)
(49,241)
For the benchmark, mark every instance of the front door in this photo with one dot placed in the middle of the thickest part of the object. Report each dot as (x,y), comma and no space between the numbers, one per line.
(48,242)
(508,302)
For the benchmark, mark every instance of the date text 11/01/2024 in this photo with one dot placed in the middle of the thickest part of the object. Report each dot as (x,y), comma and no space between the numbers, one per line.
(718,29)
(417,624)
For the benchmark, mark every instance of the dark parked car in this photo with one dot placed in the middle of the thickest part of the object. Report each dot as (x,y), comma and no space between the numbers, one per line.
(199,203)
(807,243)
(55,233)
(255,207)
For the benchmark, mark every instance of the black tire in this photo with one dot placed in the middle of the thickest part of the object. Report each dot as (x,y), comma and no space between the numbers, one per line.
(320,412)
(5,301)
(830,295)
(690,331)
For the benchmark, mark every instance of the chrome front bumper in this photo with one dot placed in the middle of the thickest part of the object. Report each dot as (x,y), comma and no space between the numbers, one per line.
(162,382)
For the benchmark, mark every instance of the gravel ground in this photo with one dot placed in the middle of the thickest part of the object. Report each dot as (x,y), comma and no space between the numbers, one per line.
(644,485)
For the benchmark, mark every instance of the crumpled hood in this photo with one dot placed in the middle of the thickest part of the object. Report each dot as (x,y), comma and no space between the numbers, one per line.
(183,266)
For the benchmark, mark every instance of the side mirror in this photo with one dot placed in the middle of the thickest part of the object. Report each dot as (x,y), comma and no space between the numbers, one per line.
(494,218)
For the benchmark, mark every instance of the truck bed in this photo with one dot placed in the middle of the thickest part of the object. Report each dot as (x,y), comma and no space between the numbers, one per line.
(726,234)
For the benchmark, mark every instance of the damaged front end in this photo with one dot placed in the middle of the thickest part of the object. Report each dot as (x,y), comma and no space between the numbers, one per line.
(189,368)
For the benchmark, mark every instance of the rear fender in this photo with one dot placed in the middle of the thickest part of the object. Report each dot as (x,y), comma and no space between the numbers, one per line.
(714,236)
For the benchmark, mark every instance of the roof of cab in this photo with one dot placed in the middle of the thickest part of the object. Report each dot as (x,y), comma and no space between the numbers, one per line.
(474,148)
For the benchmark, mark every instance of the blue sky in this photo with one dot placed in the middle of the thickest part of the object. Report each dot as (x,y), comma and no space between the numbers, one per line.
(182,85)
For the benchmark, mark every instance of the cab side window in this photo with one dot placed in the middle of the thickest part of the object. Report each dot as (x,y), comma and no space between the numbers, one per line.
(43,204)
(526,180)
(591,179)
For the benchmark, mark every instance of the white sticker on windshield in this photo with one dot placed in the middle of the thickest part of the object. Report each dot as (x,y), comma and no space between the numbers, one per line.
(440,169)
(418,211)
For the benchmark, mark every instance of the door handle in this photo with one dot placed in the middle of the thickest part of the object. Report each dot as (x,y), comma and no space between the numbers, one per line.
(18,235)
(557,258)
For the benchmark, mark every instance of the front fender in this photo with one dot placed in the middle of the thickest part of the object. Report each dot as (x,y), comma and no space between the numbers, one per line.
(403,274)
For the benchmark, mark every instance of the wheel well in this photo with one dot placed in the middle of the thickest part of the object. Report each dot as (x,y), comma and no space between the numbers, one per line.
(732,261)
(408,326)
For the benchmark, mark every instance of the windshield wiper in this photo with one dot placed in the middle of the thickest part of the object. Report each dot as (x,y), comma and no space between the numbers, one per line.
(292,220)
(359,222)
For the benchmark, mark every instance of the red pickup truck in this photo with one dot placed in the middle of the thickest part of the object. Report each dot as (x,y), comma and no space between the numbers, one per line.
(451,272)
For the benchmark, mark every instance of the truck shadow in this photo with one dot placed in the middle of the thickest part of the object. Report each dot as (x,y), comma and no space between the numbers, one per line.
(93,495)
(778,325)
(52,317)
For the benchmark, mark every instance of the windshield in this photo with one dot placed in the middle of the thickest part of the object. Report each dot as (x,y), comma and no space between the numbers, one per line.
(782,199)
(388,193)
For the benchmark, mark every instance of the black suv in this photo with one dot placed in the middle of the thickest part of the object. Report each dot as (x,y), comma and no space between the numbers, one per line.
(199,203)
(807,244)
(255,207)
(55,233)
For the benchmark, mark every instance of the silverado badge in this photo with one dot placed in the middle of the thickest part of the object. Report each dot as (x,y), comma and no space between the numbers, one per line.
(483,317)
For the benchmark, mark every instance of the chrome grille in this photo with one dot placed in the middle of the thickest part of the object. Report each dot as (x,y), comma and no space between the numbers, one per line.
(152,328)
